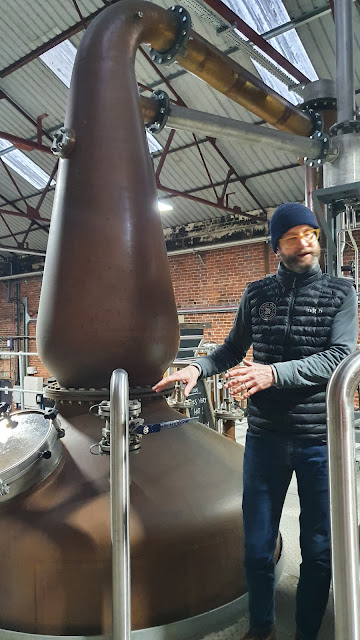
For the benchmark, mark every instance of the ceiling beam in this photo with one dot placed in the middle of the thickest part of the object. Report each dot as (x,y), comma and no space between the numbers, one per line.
(296,22)
(64,35)
(20,233)
(19,250)
(31,195)
(24,143)
(31,214)
(241,179)
(212,141)
(4,96)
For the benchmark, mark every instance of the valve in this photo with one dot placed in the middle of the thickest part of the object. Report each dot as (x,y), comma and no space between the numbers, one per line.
(50,414)
(103,410)
(4,408)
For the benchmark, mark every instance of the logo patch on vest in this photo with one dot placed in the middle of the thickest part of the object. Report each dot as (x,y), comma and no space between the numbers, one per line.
(267,311)
(314,310)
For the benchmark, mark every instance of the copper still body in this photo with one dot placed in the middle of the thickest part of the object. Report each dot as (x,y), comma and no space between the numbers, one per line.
(107,302)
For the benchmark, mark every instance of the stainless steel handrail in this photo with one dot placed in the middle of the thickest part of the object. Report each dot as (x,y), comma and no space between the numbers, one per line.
(120,500)
(343,502)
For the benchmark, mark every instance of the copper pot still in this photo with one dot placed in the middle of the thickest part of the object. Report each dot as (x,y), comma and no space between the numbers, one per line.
(107,302)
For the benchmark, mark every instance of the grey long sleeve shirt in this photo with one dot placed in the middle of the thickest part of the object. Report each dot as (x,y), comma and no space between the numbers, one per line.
(312,370)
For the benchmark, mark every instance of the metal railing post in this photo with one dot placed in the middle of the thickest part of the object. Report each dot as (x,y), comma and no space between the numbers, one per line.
(21,378)
(120,499)
(343,502)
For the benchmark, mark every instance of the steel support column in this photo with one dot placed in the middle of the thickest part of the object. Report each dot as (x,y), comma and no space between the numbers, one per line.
(344,60)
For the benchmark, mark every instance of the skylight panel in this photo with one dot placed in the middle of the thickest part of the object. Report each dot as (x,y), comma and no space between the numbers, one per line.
(26,168)
(60,60)
(164,206)
(262,16)
(154,145)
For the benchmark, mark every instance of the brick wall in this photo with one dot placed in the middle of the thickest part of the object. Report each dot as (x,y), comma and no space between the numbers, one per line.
(12,325)
(218,278)
(203,280)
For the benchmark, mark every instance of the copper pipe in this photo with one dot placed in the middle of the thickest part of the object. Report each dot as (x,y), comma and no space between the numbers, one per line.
(229,429)
(149,108)
(107,302)
(107,299)
(225,75)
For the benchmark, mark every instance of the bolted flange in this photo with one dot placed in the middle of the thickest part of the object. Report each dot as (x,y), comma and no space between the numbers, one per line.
(63,142)
(162,113)
(324,155)
(349,126)
(183,28)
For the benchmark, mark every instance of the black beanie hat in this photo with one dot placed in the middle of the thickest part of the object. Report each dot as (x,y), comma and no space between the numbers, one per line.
(288,215)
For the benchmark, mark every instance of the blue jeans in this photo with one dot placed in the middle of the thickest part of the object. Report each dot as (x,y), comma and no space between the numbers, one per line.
(270,459)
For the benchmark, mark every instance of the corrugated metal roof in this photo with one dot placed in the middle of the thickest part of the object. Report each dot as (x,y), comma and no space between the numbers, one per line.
(318,38)
(36,90)
(43,19)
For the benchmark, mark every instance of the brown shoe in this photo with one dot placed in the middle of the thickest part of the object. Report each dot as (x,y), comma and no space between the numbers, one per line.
(252,634)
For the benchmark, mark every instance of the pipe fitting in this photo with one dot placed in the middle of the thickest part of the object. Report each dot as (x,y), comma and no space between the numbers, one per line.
(316,117)
(162,113)
(183,28)
(324,153)
(349,126)
(63,142)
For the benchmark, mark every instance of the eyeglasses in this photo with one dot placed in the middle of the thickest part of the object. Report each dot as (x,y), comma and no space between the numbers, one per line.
(310,235)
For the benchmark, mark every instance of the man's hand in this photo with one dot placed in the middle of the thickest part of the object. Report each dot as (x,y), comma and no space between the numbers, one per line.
(249,379)
(188,374)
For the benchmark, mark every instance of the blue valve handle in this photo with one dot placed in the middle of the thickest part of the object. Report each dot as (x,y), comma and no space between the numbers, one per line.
(144,429)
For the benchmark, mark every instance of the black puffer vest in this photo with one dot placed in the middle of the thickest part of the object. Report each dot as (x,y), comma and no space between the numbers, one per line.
(291,316)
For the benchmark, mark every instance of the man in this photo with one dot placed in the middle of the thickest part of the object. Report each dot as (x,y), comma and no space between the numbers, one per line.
(301,324)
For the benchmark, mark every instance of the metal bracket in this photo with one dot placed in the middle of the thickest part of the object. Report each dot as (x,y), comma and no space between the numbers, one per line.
(4,488)
(349,126)
(335,199)
(183,28)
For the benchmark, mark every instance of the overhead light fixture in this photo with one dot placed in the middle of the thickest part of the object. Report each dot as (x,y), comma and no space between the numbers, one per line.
(164,206)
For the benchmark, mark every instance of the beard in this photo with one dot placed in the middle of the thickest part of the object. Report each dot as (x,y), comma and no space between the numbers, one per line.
(293,263)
